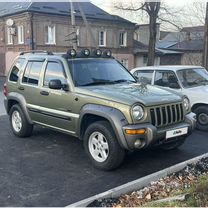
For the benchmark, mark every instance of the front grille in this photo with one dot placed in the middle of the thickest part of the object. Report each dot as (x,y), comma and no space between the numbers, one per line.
(166,115)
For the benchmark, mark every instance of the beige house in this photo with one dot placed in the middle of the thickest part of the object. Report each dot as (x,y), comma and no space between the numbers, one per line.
(47,26)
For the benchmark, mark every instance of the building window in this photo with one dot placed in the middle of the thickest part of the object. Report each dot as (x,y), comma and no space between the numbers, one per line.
(145,59)
(50,34)
(125,63)
(20,33)
(9,36)
(102,38)
(123,39)
(78,36)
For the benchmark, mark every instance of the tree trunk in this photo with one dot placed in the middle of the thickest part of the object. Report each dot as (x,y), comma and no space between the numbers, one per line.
(152,40)
(205,53)
(152,8)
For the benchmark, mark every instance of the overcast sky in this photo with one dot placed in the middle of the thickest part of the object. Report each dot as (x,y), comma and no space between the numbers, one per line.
(191,16)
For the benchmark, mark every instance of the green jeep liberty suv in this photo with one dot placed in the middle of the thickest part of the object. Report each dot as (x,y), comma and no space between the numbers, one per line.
(91,96)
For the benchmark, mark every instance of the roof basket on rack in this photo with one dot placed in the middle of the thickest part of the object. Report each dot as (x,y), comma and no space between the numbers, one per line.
(36,51)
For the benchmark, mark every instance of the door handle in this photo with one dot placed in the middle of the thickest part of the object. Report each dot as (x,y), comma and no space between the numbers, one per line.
(21,88)
(45,93)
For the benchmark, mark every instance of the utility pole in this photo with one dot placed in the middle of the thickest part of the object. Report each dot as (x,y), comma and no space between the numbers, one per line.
(74,32)
(205,54)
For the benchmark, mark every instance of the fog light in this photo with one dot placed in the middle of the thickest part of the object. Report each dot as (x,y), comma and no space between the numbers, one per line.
(138,143)
(135,131)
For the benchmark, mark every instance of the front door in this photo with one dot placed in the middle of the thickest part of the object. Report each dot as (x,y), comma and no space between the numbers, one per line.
(167,79)
(55,105)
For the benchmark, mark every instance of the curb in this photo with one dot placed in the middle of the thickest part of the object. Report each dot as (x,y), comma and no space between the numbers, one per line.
(137,184)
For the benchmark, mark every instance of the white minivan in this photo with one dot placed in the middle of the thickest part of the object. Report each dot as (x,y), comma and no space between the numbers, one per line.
(191,81)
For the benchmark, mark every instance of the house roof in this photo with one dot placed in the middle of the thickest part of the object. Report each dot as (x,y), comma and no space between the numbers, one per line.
(140,47)
(163,34)
(165,44)
(193,29)
(142,25)
(58,8)
(188,45)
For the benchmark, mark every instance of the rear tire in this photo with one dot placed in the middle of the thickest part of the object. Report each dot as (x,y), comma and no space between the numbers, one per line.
(202,118)
(173,145)
(18,121)
(102,147)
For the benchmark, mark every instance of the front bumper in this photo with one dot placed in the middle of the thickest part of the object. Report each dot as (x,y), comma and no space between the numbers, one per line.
(155,135)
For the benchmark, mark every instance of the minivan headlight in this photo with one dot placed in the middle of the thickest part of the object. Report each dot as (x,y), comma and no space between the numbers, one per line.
(138,112)
(186,103)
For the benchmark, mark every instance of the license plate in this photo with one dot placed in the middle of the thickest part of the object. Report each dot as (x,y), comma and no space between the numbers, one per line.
(176,132)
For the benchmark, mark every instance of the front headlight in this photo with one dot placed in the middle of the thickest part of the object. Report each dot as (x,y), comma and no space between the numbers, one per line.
(186,103)
(138,112)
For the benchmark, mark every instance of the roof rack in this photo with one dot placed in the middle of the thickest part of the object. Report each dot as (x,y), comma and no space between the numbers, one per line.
(36,51)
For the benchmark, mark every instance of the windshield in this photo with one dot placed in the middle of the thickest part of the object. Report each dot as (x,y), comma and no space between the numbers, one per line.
(98,72)
(193,77)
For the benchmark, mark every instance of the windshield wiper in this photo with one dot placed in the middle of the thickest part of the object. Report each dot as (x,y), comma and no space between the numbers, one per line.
(123,80)
(97,83)
(107,82)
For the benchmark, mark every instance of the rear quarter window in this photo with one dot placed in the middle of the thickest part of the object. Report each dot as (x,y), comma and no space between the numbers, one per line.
(14,75)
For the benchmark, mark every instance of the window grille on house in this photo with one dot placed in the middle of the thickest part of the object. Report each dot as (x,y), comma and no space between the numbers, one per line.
(9,36)
(50,35)
(102,38)
(123,38)
(20,33)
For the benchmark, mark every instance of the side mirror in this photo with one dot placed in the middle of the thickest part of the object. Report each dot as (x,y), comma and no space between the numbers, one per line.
(174,86)
(55,84)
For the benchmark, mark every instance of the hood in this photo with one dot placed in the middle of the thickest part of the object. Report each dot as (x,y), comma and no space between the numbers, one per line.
(132,93)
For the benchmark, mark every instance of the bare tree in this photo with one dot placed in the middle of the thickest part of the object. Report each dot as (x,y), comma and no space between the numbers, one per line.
(156,13)
(152,8)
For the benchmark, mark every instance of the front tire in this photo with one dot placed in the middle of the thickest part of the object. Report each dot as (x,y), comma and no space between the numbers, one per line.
(102,147)
(18,121)
(202,118)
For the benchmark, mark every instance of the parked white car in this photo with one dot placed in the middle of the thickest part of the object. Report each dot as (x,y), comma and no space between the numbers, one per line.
(191,81)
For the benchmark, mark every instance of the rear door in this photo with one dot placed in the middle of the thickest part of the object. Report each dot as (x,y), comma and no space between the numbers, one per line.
(29,85)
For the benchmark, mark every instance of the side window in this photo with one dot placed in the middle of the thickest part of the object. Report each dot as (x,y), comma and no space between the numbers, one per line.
(32,72)
(166,79)
(54,70)
(14,75)
(144,76)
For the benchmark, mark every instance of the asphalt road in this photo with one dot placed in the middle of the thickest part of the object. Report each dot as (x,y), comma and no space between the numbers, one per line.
(2,110)
(51,169)
(2,80)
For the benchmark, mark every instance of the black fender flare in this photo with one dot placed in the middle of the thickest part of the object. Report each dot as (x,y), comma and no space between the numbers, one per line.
(22,102)
(114,116)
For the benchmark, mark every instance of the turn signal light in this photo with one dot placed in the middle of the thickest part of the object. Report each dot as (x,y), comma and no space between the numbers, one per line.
(135,131)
